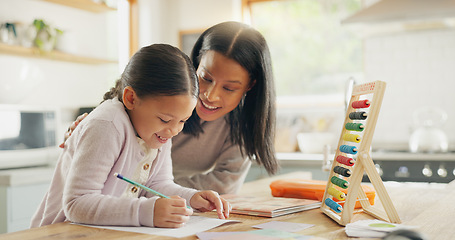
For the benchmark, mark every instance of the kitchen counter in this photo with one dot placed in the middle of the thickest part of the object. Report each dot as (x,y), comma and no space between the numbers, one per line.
(402,166)
(375,155)
(25,176)
(426,206)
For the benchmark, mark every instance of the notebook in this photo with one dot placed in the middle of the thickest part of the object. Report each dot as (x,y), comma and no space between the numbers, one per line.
(268,206)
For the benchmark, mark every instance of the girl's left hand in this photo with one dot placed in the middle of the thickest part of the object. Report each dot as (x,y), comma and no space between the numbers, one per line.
(209,200)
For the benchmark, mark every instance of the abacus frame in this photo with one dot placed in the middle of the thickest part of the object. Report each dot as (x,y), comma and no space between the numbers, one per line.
(363,163)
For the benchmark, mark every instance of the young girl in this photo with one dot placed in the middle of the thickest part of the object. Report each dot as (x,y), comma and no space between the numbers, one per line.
(130,133)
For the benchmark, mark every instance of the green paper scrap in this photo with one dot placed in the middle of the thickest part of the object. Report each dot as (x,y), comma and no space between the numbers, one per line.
(382,225)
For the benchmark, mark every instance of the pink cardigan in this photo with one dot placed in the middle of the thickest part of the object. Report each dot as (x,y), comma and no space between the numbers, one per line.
(83,188)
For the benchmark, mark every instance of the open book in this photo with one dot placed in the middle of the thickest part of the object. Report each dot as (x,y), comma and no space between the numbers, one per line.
(268,206)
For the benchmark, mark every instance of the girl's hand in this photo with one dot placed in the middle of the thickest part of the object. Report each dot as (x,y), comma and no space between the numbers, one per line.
(209,200)
(171,212)
(72,127)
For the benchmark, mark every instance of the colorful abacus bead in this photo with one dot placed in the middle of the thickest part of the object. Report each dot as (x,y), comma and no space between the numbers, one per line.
(348,149)
(333,205)
(342,171)
(361,104)
(339,182)
(336,193)
(354,127)
(345,160)
(358,115)
(351,137)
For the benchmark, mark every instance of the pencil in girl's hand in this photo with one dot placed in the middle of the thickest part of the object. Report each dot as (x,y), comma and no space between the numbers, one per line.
(140,185)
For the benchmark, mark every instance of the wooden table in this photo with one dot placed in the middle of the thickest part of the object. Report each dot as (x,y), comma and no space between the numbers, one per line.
(429,208)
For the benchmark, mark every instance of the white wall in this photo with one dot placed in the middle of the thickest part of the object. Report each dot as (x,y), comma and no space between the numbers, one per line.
(418,67)
(161,20)
(44,82)
(155,21)
(65,85)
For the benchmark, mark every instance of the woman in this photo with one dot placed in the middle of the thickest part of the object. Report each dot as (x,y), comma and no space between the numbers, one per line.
(235,115)
(234,119)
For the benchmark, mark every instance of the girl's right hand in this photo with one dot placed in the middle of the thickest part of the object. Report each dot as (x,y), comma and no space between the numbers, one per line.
(170,213)
(72,127)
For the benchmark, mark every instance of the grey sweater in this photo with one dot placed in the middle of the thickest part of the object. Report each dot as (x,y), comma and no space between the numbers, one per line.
(210,161)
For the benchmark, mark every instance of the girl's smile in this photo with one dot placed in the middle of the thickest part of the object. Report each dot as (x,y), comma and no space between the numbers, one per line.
(161,139)
(158,119)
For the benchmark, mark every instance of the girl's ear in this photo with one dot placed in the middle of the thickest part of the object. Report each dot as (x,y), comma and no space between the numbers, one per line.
(129,97)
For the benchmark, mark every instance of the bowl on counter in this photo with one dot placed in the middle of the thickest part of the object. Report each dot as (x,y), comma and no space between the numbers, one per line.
(314,142)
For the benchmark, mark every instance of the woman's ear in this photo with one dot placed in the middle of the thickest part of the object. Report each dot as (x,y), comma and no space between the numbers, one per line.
(129,97)
(251,85)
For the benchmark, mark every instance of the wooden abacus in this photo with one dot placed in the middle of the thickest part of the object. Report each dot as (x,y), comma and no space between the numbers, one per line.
(352,159)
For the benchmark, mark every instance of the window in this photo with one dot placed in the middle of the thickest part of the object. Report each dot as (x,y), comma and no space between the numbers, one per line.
(314,59)
(313,55)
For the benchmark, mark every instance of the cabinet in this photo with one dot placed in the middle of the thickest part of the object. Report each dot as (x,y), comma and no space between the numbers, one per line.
(21,192)
(86,5)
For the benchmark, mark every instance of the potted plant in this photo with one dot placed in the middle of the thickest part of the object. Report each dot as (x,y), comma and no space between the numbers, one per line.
(46,36)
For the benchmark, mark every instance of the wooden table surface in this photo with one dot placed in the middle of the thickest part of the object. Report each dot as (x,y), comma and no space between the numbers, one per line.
(430,209)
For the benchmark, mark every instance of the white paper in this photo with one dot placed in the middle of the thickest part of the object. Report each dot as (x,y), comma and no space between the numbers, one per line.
(372,228)
(284,226)
(194,225)
(211,235)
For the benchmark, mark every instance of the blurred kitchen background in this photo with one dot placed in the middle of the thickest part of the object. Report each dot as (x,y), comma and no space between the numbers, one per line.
(58,58)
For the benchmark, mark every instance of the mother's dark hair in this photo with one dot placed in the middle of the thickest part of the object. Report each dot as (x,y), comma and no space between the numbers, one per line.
(253,120)
(157,70)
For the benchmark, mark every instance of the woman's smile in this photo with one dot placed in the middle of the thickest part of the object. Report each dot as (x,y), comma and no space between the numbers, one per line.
(207,107)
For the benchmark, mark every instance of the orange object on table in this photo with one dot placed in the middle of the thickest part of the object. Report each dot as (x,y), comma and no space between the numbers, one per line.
(311,189)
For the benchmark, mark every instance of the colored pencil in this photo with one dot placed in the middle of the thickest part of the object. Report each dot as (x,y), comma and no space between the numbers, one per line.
(142,186)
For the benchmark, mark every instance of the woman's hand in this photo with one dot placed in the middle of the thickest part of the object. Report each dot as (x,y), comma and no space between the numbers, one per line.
(72,127)
(170,212)
(209,200)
